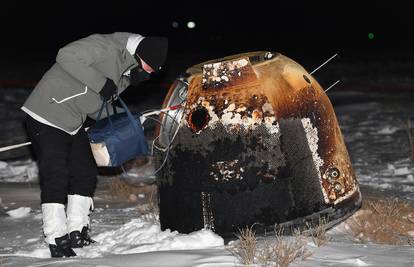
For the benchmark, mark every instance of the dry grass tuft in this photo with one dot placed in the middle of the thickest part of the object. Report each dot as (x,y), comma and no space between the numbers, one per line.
(390,208)
(120,189)
(318,232)
(150,209)
(289,249)
(279,251)
(383,221)
(145,195)
(245,249)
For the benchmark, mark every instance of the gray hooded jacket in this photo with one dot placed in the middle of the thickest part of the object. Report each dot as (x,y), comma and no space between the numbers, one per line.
(69,91)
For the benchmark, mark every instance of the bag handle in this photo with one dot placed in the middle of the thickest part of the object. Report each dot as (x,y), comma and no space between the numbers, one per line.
(109,117)
(130,116)
(124,106)
(100,110)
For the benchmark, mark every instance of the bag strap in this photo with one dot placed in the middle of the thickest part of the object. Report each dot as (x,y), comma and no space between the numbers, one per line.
(100,110)
(109,117)
(114,109)
(124,106)
(131,118)
(104,103)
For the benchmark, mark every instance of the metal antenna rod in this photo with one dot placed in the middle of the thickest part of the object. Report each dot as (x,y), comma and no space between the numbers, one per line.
(323,64)
(332,85)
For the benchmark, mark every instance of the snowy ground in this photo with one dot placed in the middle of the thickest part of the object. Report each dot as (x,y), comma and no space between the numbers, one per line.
(374,129)
(374,126)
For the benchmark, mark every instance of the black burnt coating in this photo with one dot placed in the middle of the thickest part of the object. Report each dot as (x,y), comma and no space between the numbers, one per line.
(306,188)
(198,119)
(279,183)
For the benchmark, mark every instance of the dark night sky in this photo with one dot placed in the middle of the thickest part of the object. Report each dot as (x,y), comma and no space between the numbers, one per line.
(306,29)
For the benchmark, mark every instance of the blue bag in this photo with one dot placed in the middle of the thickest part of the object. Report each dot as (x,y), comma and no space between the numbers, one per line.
(117,138)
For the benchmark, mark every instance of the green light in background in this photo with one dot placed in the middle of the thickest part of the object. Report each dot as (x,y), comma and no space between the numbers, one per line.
(371,35)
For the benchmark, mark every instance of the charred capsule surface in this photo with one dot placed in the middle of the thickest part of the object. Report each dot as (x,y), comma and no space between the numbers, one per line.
(257,142)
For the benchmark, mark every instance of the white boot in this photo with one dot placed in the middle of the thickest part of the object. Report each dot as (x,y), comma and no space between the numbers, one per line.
(54,221)
(78,211)
(55,230)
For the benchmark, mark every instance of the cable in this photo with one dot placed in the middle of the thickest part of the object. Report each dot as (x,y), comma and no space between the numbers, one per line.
(171,136)
(166,149)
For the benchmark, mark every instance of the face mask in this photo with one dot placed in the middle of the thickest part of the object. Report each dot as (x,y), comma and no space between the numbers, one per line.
(138,75)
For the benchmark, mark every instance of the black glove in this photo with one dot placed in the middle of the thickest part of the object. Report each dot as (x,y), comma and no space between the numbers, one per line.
(108,90)
(138,75)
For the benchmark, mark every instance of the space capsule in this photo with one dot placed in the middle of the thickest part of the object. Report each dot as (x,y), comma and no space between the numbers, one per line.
(255,142)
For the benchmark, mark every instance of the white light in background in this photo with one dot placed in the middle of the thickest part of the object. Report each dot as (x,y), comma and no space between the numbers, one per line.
(191,24)
(175,24)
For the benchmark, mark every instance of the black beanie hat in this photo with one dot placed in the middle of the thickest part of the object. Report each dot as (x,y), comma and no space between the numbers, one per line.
(153,50)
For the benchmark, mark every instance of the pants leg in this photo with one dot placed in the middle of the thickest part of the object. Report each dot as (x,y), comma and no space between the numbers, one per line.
(52,147)
(82,167)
